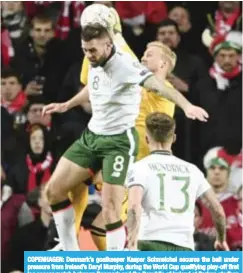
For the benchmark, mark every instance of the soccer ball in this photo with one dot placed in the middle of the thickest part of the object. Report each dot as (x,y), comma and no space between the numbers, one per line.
(98,14)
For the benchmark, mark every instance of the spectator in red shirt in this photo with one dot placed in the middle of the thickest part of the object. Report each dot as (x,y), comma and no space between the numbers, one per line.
(228,17)
(218,176)
(234,234)
(13,97)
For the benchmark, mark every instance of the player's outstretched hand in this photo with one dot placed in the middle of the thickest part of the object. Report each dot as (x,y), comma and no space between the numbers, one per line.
(223,246)
(195,112)
(55,108)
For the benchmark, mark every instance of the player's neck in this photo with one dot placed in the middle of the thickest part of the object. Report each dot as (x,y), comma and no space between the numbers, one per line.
(158,147)
(161,74)
(113,51)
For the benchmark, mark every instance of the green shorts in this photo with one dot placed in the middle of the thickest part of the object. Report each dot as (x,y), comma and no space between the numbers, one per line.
(111,154)
(159,246)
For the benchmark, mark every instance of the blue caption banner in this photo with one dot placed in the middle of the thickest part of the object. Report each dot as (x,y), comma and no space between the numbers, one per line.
(132,262)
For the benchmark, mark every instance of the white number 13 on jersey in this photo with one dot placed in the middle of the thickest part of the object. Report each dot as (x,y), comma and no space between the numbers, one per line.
(183,191)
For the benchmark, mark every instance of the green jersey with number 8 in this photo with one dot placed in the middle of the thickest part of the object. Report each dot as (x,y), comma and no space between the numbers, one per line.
(171,187)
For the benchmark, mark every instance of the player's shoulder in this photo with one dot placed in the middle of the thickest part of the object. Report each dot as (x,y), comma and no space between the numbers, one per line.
(192,167)
(138,171)
(142,164)
(124,56)
(167,83)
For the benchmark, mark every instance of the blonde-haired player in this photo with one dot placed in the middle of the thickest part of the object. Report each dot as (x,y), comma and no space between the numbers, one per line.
(161,60)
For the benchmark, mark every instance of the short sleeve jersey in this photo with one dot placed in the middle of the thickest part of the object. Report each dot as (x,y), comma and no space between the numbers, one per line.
(171,187)
(115,93)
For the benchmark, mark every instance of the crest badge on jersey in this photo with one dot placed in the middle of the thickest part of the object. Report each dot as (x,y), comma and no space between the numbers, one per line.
(144,72)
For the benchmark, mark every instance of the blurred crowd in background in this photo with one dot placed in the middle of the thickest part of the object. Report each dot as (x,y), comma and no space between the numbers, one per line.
(41,59)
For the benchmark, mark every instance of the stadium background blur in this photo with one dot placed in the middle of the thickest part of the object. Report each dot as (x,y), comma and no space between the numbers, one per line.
(41,58)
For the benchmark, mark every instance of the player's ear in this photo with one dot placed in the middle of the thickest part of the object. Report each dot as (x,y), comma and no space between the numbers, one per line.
(174,138)
(108,46)
(161,63)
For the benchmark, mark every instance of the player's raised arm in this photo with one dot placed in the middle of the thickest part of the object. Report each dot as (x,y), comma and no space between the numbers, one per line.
(211,202)
(81,98)
(191,111)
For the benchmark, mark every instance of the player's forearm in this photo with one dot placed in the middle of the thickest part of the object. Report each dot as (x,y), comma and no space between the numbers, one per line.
(220,224)
(133,223)
(210,201)
(153,84)
(79,99)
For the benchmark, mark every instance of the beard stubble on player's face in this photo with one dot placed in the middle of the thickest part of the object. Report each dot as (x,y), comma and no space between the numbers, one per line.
(102,53)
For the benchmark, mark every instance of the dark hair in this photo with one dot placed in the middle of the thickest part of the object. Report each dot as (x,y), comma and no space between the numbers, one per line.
(42,18)
(47,142)
(169,22)
(34,100)
(161,127)
(95,31)
(182,7)
(9,72)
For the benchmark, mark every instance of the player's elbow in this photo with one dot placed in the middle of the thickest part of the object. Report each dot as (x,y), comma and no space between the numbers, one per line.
(134,205)
(87,107)
(135,197)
